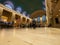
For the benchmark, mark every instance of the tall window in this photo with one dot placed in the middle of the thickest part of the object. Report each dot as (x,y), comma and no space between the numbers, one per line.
(19,9)
(43,18)
(8,6)
(38,19)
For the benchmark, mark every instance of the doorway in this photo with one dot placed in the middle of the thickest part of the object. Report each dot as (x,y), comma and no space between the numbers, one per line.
(57,20)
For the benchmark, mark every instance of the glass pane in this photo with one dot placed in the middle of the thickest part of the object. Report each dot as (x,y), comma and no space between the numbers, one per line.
(43,18)
(38,19)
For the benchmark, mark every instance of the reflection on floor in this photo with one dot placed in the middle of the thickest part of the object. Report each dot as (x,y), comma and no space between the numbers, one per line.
(38,36)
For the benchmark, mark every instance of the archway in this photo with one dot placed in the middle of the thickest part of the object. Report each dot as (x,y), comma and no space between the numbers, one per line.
(41,14)
(38,13)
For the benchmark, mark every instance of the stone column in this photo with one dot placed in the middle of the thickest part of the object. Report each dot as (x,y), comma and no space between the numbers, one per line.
(48,10)
(1,11)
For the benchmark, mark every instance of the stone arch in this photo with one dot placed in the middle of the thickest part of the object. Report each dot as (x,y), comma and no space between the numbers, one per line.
(38,13)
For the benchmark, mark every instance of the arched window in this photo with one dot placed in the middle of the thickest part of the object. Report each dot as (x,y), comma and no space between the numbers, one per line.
(43,18)
(25,13)
(19,9)
(8,6)
(38,19)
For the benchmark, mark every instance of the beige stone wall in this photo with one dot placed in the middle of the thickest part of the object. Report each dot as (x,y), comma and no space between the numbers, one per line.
(52,10)
(48,10)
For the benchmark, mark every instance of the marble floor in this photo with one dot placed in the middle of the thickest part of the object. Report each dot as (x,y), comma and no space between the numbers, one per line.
(30,36)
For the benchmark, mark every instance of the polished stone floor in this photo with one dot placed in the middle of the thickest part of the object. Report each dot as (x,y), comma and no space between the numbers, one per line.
(30,36)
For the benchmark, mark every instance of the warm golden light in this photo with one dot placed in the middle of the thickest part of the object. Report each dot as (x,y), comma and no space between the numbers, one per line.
(15,21)
(4,18)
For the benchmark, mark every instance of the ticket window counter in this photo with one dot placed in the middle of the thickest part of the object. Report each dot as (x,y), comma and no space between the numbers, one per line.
(23,23)
(28,22)
(23,20)
(6,15)
(6,19)
(17,20)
